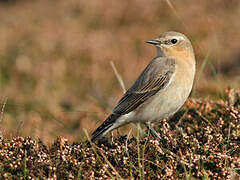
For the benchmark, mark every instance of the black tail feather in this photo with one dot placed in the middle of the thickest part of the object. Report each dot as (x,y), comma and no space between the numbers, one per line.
(104,127)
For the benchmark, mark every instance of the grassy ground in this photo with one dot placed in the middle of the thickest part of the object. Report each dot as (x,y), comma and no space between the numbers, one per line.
(205,144)
(55,72)
(56,80)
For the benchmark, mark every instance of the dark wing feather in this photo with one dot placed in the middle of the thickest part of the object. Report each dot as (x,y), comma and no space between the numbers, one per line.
(155,77)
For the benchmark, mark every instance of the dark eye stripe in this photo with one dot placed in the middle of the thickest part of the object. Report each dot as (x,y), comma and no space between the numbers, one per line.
(170,41)
(167,42)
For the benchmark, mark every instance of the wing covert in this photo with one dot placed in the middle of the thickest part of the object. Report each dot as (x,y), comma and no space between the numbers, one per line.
(154,77)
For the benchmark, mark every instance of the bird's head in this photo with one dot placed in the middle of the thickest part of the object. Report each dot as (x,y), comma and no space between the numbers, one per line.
(172,43)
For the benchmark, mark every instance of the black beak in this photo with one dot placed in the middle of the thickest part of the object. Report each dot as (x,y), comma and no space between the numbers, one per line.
(154,42)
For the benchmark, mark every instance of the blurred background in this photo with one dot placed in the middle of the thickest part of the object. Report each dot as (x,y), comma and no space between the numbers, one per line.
(55,72)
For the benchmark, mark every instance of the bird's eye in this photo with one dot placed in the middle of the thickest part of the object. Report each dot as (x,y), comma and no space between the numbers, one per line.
(174,41)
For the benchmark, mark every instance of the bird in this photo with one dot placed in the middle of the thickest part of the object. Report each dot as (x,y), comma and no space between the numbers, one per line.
(160,90)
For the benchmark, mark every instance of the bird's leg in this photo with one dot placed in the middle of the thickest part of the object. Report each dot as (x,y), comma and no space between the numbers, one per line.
(152,131)
(155,135)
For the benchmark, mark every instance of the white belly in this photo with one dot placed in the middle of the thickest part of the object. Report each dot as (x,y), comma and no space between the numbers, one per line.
(163,104)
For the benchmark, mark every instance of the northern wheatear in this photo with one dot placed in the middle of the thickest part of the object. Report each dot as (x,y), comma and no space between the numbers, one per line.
(160,90)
